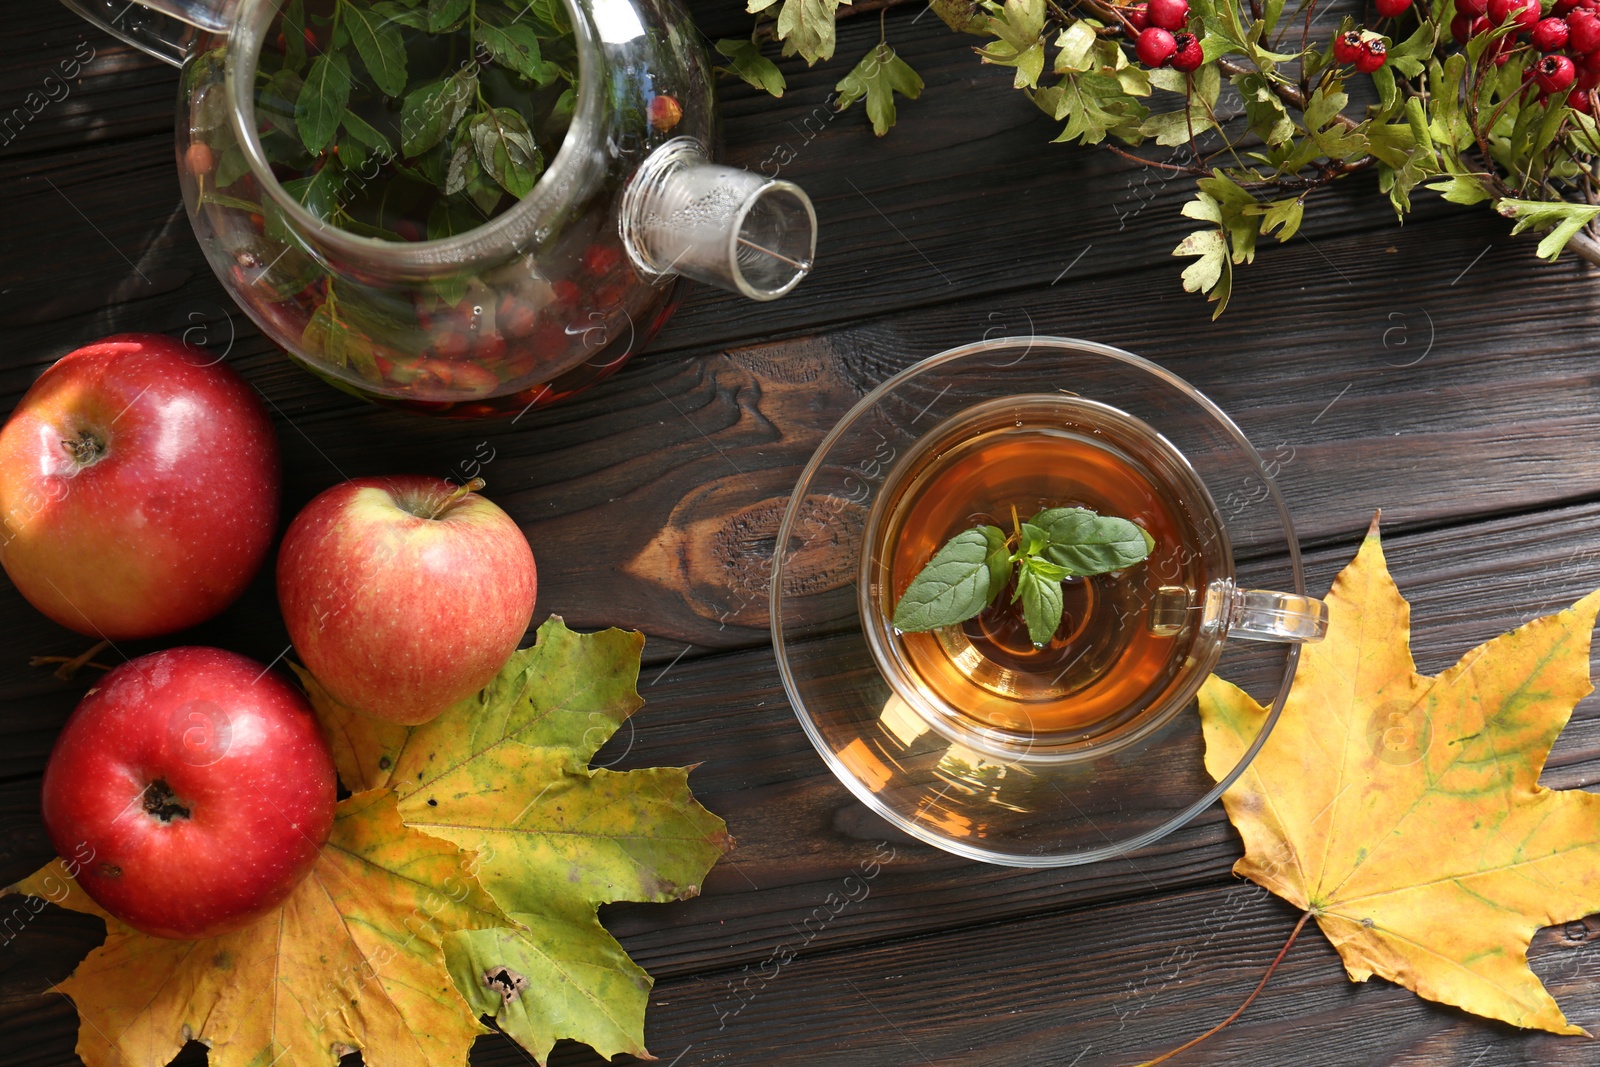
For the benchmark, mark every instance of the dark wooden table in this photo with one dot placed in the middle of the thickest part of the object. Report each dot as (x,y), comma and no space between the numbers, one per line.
(1437,371)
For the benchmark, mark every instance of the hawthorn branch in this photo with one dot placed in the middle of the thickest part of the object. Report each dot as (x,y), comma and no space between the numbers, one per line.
(1289,94)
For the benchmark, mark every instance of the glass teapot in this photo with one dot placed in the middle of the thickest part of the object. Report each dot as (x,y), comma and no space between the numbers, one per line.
(536,303)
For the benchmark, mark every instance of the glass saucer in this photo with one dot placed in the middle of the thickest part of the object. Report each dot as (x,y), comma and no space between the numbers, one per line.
(1033,799)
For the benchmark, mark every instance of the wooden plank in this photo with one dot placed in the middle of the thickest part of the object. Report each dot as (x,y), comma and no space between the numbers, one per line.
(800,832)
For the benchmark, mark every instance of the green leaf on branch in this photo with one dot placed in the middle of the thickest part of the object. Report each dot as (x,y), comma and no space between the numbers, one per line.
(340,343)
(1171,128)
(1094,105)
(378,43)
(517,47)
(508,771)
(506,150)
(1268,117)
(963,16)
(1409,56)
(1076,48)
(430,114)
(1019,30)
(746,61)
(322,101)
(878,76)
(445,15)
(1462,189)
(1563,221)
(804,26)
(1324,122)
(1281,215)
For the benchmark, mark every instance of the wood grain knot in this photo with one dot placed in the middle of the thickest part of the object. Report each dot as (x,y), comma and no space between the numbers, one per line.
(717,547)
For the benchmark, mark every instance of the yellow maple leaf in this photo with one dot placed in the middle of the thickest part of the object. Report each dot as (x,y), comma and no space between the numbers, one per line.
(1404,812)
(506,773)
(352,960)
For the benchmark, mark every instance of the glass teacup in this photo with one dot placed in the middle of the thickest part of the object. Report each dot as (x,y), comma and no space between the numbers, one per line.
(970,736)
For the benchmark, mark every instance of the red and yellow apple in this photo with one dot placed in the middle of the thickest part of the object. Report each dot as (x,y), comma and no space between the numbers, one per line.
(194,790)
(138,488)
(404,595)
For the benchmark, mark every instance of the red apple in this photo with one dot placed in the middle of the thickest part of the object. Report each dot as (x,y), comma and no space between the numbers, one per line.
(404,595)
(193,789)
(138,488)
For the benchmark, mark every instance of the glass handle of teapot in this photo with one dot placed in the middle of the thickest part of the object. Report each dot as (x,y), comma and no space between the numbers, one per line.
(683,214)
(165,29)
(1262,615)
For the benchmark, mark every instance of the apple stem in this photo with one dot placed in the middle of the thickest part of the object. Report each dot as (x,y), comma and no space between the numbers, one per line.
(1247,1000)
(471,487)
(70,664)
(86,449)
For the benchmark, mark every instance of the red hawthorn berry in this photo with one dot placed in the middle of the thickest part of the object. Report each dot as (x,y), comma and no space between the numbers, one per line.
(1550,35)
(1588,61)
(1189,54)
(1562,7)
(1554,74)
(515,317)
(1587,79)
(1525,13)
(1168,14)
(1388,9)
(566,291)
(199,158)
(1347,46)
(601,259)
(1461,28)
(450,344)
(1583,31)
(665,113)
(1374,54)
(1578,100)
(1155,46)
(1472,8)
(1138,17)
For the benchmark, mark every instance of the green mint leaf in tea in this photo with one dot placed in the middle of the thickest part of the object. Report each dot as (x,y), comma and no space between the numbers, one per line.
(506,150)
(1088,544)
(364,134)
(445,15)
(430,112)
(517,47)
(953,587)
(322,100)
(974,567)
(1042,603)
(378,43)
(998,561)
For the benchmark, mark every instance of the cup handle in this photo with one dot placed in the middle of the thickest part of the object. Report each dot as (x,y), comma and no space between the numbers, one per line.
(1262,615)
(161,28)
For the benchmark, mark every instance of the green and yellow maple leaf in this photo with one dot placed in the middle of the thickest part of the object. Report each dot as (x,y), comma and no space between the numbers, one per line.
(1404,812)
(506,773)
(354,959)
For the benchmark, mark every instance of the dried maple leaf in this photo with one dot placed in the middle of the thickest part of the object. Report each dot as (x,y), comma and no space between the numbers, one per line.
(1404,812)
(352,960)
(507,773)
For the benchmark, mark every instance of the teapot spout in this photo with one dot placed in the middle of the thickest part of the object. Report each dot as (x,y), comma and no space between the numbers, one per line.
(683,214)
(161,28)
